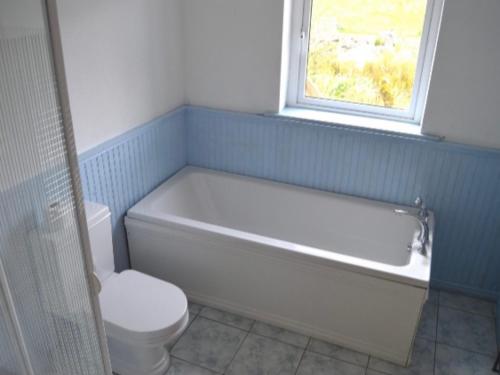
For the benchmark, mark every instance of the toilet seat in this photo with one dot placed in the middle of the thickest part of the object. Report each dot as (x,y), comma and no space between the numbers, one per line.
(143,309)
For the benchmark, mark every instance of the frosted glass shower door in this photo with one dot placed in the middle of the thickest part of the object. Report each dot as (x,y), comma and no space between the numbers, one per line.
(50,321)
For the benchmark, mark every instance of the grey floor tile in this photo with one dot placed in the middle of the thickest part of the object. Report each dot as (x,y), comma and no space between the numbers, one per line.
(209,344)
(194,308)
(467,331)
(227,318)
(428,322)
(316,364)
(466,303)
(433,297)
(338,352)
(373,372)
(280,334)
(170,345)
(261,355)
(178,367)
(422,362)
(461,362)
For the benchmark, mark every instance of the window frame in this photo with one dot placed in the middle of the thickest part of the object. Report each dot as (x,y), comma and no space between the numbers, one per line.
(301,20)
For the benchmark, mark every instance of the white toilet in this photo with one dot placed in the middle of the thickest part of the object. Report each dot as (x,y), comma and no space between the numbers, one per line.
(142,315)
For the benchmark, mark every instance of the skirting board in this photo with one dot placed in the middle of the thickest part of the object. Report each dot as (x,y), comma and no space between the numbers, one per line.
(463,289)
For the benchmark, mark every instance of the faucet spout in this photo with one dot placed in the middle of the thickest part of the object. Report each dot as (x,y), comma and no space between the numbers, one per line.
(423,237)
(422,217)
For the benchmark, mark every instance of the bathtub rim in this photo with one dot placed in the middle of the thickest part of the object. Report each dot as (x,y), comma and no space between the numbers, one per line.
(415,273)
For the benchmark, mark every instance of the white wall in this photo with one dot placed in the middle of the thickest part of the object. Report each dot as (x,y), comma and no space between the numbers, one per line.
(123,61)
(464,96)
(233,50)
(233,53)
(128,61)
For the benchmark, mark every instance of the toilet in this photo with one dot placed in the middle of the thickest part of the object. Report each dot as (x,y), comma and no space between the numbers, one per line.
(142,315)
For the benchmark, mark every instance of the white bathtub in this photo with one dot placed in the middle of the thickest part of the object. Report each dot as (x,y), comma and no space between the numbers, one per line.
(326,265)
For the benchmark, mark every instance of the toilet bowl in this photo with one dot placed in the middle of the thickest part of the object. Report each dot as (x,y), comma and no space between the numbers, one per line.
(142,315)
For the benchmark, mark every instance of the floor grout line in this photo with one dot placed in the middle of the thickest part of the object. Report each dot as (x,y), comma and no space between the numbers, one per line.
(466,350)
(255,333)
(196,365)
(251,327)
(436,336)
(281,341)
(302,355)
(338,359)
(185,330)
(224,323)
(468,311)
(435,358)
(237,351)
(203,307)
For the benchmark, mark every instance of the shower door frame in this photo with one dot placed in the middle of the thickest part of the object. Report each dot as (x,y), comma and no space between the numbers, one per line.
(52,23)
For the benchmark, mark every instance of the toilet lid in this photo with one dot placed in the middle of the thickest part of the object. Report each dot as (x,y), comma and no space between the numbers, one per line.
(137,306)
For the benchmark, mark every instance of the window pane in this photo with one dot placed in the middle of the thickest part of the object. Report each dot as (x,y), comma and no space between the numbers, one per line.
(364,51)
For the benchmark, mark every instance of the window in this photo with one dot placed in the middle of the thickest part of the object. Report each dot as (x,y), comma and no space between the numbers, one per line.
(363,57)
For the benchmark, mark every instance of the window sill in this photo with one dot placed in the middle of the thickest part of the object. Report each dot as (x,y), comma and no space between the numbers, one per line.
(353,122)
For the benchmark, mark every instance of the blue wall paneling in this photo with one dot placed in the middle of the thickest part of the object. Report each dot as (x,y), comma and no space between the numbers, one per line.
(459,183)
(120,172)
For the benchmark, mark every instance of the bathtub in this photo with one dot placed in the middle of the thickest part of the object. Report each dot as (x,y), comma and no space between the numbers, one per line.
(326,265)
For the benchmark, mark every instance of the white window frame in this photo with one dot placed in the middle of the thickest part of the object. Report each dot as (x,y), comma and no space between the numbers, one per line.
(298,64)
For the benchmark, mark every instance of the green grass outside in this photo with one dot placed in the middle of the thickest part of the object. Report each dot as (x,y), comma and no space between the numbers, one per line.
(364,51)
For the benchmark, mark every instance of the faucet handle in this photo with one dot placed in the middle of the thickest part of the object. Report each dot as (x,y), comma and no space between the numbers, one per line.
(422,210)
(419,203)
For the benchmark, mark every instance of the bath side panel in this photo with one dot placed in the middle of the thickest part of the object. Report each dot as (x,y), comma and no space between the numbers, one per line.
(361,312)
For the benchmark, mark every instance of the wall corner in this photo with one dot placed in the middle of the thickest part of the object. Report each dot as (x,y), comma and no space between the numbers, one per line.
(285,53)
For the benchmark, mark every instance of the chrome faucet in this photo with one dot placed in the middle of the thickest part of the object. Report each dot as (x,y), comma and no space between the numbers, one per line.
(422,217)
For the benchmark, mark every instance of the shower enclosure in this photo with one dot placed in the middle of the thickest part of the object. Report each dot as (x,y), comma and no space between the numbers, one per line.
(49,313)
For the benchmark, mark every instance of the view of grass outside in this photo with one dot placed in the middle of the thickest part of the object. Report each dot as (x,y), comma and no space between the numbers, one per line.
(364,51)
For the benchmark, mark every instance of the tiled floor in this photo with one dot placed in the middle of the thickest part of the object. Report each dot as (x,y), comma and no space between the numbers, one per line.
(456,337)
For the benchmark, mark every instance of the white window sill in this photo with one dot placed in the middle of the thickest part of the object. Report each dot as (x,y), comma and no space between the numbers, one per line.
(355,122)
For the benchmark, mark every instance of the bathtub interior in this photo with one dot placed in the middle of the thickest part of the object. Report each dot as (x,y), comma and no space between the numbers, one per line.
(350,226)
